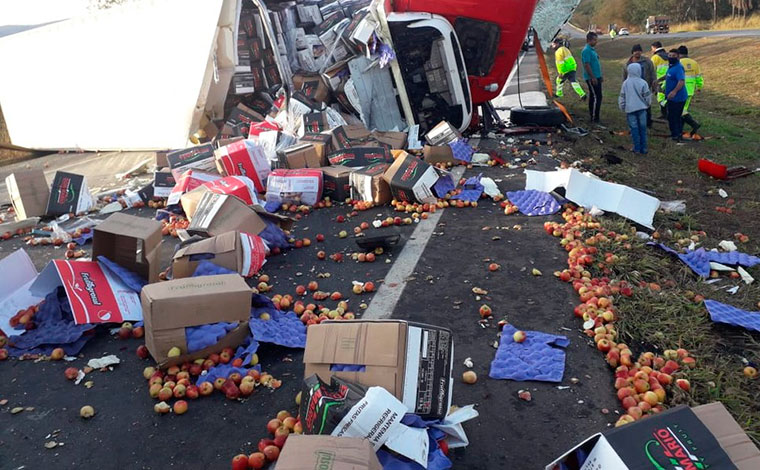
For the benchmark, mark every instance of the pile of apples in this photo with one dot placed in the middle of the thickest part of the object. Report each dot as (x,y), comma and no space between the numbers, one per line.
(175,222)
(640,383)
(178,381)
(269,449)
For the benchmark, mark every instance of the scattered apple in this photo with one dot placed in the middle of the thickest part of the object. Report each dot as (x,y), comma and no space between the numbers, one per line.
(57,354)
(87,412)
(469,377)
(519,336)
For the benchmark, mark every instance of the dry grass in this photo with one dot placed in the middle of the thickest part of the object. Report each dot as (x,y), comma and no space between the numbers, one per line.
(725,24)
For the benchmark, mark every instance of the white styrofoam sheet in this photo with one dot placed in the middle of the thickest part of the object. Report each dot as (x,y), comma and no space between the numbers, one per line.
(130,77)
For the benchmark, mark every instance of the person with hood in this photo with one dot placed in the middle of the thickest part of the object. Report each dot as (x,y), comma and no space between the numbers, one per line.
(635,97)
(566,69)
(647,73)
(660,61)
(676,94)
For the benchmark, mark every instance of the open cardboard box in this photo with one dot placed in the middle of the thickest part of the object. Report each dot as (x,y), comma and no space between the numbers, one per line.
(29,193)
(682,438)
(131,242)
(220,213)
(367,184)
(240,252)
(412,361)
(327,452)
(169,307)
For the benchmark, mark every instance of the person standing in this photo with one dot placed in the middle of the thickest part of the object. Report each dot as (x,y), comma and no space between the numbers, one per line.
(676,94)
(660,61)
(635,98)
(592,73)
(694,82)
(566,69)
(647,73)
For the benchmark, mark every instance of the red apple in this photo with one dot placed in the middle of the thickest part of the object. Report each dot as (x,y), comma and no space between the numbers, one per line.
(263,443)
(192,392)
(272,453)
(240,462)
(142,352)
(206,389)
(273,424)
(70,373)
(57,354)
(257,460)
(138,332)
(180,407)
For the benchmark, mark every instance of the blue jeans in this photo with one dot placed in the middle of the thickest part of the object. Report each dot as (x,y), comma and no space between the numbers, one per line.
(637,123)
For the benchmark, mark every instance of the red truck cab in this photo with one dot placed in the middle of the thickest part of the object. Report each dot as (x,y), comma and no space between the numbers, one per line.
(490,36)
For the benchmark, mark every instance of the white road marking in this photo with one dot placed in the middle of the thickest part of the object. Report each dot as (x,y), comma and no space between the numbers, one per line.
(389,293)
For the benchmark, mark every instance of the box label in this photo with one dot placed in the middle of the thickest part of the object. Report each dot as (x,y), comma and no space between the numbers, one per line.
(254,254)
(426,382)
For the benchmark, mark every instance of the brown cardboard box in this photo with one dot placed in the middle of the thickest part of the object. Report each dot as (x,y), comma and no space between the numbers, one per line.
(220,213)
(169,307)
(705,436)
(313,86)
(239,252)
(411,179)
(131,242)
(367,184)
(322,142)
(442,133)
(343,135)
(29,193)
(438,154)
(161,160)
(327,452)
(397,140)
(300,156)
(337,182)
(390,351)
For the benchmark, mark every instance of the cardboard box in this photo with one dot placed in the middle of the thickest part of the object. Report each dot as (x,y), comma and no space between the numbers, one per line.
(394,355)
(131,242)
(322,143)
(680,438)
(356,157)
(239,186)
(343,135)
(337,182)
(411,179)
(94,293)
(313,86)
(242,83)
(68,194)
(300,156)
(327,452)
(188,181)
(240,252)
(442,133)
(169,307)
(219,213)
(438,154)
(200,157)
(244,158)
(242,114)
(161,160)
(314,123)
(29,193)
(367,184)
(396,140)
(302,186)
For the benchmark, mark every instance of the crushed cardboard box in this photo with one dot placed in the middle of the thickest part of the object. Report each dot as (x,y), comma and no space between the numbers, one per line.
(187,182)
(131,242)
(396,355)
(29,193)
(244,158)
(239,186)
(169,307)
(327,452)
(240,252)
(220,213)
(680,438)
(303,186)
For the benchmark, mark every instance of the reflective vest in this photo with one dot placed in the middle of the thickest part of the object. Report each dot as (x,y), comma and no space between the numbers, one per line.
(564,60)
(660,65)
(694,80)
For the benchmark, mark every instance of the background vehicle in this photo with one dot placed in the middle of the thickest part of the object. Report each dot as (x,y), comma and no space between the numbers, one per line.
(529,39)
(624,32)
(658,25)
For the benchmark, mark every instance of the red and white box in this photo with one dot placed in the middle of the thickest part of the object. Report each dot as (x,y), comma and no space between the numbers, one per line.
(302,186)
(263,126)
(241,187)
(95,294)
(188,181)
(244,158)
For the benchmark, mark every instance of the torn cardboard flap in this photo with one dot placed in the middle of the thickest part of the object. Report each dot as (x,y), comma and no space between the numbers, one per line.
(17,273)
(589,191)
(394,356)
(239,186)
(240,252)
(169,307)
(328,452)
(131,242)
(29,193)
(187,182)
(220,213)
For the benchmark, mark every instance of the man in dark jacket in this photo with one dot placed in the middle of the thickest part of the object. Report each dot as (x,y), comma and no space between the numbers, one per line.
(647,73)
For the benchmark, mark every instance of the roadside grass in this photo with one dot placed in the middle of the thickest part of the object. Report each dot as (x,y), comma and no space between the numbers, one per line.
(724,24)
(728,109)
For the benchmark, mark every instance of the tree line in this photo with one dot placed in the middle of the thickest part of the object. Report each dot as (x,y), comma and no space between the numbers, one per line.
(633,13)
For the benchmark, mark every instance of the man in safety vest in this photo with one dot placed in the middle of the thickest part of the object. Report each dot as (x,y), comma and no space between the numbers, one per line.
(660,61)
(694,83)
(566,69)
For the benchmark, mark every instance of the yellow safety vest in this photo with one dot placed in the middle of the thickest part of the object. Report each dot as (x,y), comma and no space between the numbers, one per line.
(564,60)
(694,80)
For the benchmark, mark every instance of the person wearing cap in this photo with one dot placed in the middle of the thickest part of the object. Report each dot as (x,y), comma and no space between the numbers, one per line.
(694,82)
(660,62)
(676,94)
(566,69)
(647,73)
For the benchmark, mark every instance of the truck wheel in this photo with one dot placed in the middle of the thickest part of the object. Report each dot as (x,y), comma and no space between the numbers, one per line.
(544,116)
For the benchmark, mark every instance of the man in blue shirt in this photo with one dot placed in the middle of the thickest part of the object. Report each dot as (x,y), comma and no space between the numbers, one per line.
(676,94)
(592,73)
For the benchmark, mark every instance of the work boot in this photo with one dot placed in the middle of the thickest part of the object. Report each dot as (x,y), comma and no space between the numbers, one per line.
(692,123)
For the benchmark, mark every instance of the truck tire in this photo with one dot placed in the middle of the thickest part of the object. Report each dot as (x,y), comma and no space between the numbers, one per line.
(544,116)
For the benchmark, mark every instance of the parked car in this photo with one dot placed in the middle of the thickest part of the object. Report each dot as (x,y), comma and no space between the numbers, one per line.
(624,32)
